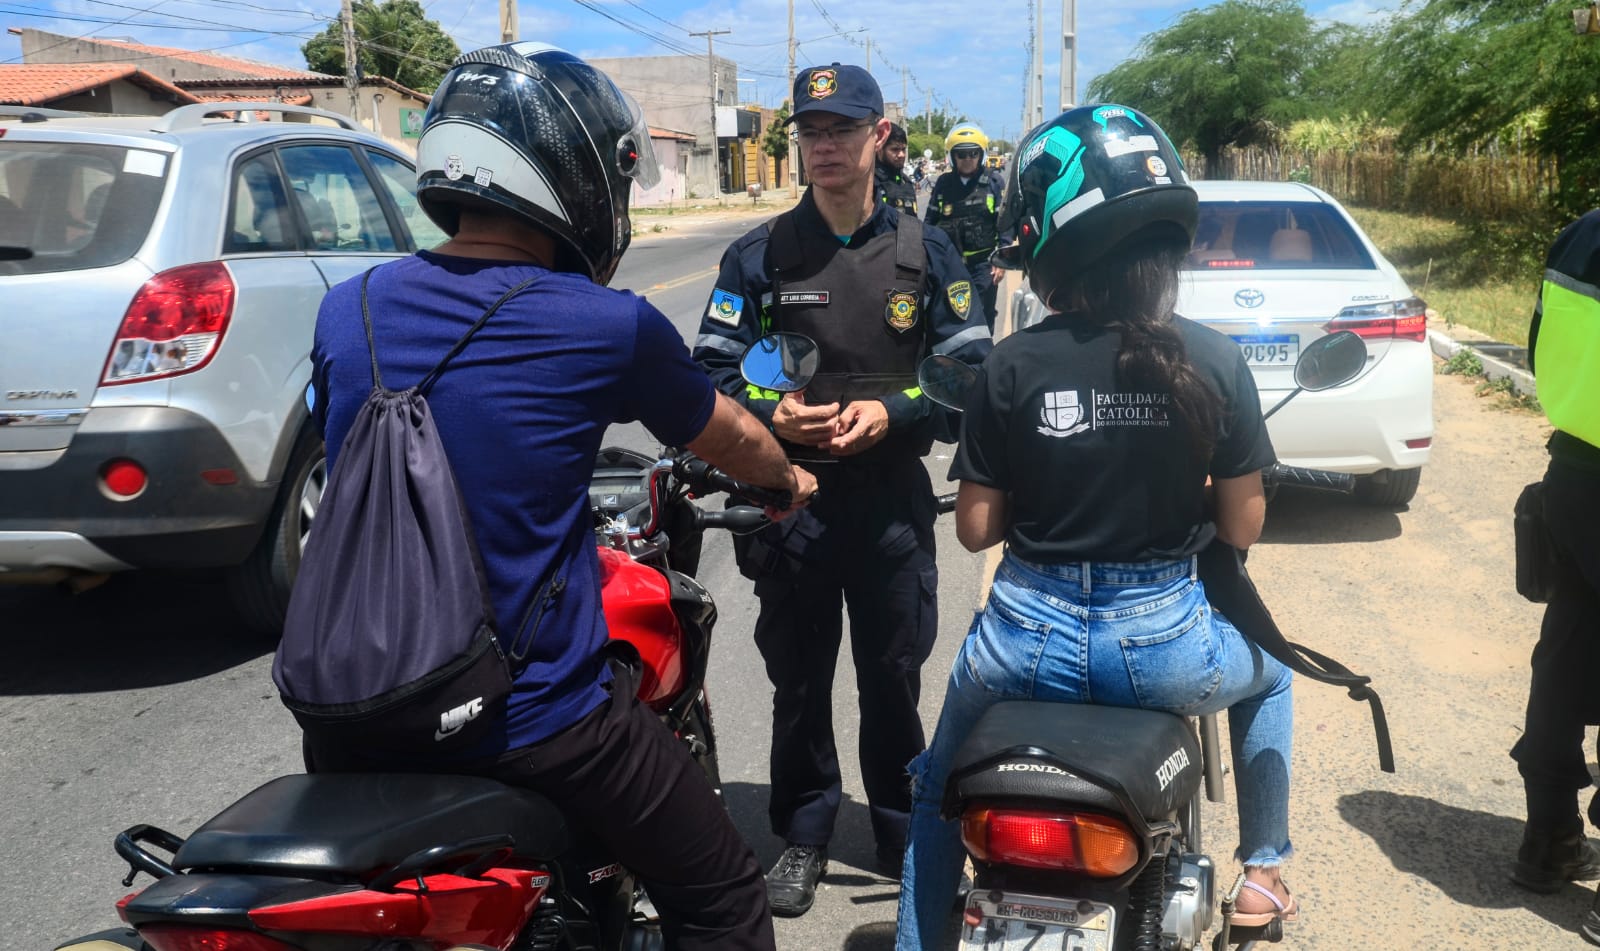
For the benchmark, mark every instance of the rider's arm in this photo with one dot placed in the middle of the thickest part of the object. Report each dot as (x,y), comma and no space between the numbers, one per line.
(1241,509)
(981,516)
(736,442)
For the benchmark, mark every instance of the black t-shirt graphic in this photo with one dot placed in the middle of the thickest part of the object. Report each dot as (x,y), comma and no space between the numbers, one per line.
(1098,471)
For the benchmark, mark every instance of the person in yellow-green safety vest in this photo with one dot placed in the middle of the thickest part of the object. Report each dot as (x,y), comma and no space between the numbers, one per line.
(1564,354)
(966,205)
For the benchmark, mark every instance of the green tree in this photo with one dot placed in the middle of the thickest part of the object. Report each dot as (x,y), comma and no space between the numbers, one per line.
(396,40)
(1229,74)
(775,141)
(1462,73)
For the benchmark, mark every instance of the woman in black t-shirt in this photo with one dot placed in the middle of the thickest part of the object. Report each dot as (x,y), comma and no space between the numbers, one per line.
(1106,446)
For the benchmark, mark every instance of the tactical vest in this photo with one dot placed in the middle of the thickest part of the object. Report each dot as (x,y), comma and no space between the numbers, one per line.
(970,221)
(894,191)
(1567,351)
(863,306)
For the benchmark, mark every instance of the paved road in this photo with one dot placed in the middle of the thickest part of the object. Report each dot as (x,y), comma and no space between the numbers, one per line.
(140,702)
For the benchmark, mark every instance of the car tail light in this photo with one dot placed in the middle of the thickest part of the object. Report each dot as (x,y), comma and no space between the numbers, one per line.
(1406,319)
(173,326)
(1231,262)
(123,478)
(191,938)
(1075,842)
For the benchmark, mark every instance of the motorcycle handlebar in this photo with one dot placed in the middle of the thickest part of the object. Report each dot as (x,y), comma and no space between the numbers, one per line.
(702,475)
(738,519)
(1280,474)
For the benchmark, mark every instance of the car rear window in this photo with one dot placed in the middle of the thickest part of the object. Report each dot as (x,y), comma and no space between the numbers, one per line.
(1261,235)
(71,206)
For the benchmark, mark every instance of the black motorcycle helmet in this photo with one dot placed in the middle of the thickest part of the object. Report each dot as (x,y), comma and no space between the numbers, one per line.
(535,131)
(1089,180)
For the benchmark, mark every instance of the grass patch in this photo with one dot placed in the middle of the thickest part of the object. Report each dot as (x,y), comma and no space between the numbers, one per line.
(1463,362)
(1505,395)
(1482,275)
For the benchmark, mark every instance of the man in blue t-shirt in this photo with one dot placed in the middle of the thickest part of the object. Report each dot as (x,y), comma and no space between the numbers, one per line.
(521,412)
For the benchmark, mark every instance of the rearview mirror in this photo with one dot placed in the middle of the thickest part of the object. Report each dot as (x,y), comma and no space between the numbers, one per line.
(1330,361)
(946,380)
(783,362)
(1008,258)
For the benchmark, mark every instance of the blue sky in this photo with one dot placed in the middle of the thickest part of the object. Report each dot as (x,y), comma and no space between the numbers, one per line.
(969,55)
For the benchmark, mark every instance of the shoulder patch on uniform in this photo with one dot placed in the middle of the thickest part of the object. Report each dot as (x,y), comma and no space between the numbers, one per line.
(725,307)
(960,295)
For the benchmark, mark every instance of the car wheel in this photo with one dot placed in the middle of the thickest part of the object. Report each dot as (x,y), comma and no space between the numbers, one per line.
(260,586)
(1391,487)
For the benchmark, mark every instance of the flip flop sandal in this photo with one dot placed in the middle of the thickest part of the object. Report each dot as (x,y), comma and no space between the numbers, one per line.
(1288,913)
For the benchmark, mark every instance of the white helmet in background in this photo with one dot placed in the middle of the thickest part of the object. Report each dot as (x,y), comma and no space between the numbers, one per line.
(533,130)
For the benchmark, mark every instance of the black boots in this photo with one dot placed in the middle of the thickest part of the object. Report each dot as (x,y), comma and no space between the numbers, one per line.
(792,883)
(1590,927)
(1545,864)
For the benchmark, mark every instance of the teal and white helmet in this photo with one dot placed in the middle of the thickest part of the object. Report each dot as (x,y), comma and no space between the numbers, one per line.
(1089,180)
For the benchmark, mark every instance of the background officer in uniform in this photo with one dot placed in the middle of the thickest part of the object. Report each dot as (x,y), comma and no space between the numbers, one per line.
(966,204)
(878,291)
(893,188)
(1564,352)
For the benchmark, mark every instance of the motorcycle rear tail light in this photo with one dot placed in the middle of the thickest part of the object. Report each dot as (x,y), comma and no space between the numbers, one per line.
(173,326)
(1094,845)
(1404,319)
(191,938)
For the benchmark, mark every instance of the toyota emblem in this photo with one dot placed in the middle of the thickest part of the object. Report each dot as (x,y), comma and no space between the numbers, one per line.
(1249,297)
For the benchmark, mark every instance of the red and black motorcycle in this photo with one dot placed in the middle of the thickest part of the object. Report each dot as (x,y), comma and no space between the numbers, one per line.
(414,862)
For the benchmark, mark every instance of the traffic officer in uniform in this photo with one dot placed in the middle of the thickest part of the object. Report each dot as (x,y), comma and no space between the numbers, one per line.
(878,292)
(893,188)
(966,204)
(1564,353)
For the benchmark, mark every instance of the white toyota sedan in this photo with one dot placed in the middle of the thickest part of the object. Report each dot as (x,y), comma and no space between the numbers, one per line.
(1275,265)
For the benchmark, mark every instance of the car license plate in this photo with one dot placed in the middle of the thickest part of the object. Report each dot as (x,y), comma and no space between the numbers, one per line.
(1016,922)
(1266,350)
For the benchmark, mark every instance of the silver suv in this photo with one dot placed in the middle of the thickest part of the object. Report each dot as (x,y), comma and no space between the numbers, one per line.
(159,283)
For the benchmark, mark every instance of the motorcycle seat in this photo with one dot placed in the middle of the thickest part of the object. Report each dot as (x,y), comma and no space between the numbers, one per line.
(1077,753)
(358,824)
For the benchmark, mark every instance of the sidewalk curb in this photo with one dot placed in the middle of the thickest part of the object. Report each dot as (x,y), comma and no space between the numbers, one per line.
(1494,368)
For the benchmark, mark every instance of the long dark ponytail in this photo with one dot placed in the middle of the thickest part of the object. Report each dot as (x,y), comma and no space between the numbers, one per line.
(1132,290)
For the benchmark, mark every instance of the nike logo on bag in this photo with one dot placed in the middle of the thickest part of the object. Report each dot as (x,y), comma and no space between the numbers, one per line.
(451,721)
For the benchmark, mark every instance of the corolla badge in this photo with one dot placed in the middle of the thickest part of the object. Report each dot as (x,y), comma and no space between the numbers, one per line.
(1249,297)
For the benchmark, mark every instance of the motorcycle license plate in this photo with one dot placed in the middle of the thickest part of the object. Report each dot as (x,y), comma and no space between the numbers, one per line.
(1016,922)
(1269,350)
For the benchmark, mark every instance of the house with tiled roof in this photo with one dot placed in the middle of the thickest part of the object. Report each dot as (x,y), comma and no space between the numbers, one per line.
(91,87)
(391,110)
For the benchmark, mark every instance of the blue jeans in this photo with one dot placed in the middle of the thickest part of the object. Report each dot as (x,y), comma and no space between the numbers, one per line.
(1124,635)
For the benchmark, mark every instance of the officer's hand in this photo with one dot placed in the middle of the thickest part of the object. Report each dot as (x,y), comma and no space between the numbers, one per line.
(997,274)
(862,425)
(800,493)
(798,422)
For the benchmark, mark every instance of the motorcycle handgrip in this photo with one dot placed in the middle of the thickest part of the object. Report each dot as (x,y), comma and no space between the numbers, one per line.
(1310,478)
(702,474)
(739,519)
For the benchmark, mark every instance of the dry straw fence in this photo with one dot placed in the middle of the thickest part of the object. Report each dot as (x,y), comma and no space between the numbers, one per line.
(1482,184)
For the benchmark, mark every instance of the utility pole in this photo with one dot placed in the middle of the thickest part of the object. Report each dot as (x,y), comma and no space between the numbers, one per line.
(905,93)
(1036,71)
(1069,54)
(927,108)
(869,54)
(352,60)
(794,152)
(711,63)
(508,21)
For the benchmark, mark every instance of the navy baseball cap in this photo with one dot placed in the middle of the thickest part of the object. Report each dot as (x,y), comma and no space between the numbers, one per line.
(848,91)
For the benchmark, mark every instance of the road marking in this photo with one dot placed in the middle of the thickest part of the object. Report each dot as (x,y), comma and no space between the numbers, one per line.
(680,281)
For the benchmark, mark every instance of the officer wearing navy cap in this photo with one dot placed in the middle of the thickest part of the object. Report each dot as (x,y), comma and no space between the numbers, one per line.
(878,291)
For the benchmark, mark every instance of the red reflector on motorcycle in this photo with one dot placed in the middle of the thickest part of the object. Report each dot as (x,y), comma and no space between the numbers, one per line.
(190,938)
(1093,845)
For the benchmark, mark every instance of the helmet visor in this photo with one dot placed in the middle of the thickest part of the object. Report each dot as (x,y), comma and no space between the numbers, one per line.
(636,155)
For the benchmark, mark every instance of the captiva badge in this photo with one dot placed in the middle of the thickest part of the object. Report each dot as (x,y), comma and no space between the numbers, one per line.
(901,313)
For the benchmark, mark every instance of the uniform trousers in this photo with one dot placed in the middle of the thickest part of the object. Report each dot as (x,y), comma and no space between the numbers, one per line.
(984,291)
(1565,693)
(864,545)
